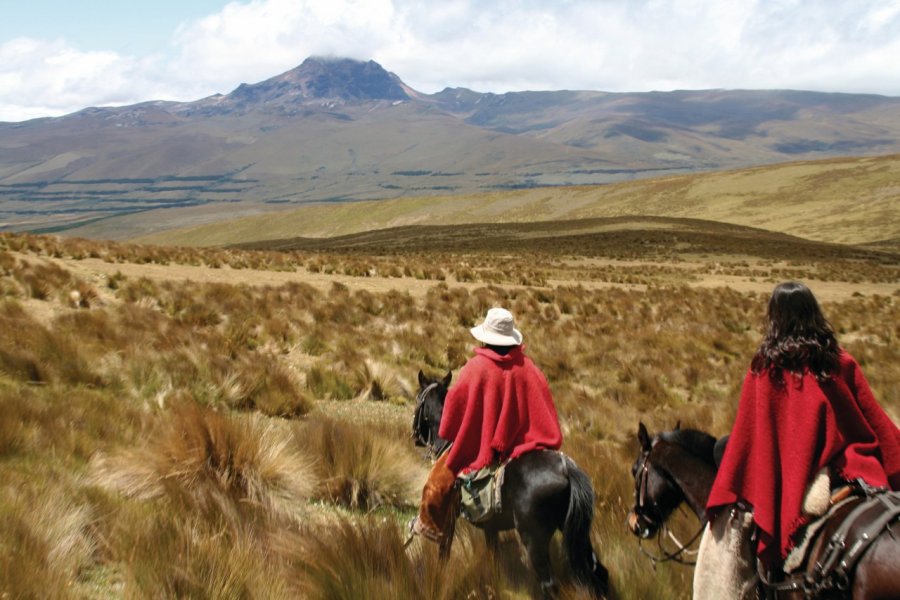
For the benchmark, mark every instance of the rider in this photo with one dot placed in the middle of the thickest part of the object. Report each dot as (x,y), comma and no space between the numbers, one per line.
(805,410)
(499,408)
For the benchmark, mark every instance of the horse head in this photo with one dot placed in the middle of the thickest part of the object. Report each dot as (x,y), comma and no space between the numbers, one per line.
(656,494)
(429,408)
(672,467)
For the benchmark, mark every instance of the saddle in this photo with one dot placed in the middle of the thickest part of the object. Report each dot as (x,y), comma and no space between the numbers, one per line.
(833,557)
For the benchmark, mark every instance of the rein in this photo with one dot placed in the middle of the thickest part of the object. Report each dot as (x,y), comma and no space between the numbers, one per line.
(643,477)
(675,556)
(426,440)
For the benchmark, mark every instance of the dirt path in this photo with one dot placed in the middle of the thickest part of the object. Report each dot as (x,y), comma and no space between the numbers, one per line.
(92,268)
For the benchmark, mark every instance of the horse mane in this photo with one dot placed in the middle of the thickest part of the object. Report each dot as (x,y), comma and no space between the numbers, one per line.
(699,443)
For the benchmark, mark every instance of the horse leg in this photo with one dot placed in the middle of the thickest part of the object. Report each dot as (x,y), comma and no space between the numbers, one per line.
(537,546)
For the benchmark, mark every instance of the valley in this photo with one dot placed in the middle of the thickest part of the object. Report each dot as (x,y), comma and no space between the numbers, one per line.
(339,131)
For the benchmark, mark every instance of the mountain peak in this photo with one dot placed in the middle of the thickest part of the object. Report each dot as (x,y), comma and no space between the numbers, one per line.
(321,78)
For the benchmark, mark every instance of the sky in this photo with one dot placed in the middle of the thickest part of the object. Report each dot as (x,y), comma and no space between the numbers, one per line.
(59,56)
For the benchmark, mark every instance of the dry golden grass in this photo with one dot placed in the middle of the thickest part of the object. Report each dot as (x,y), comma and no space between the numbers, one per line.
(45,540)
(813,199)
(364,557)
(179,438)
(210,464)
(157,552)
(363,467)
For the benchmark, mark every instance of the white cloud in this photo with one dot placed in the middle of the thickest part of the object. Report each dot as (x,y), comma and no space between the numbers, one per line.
(41,78)
(254,41)
(487,45)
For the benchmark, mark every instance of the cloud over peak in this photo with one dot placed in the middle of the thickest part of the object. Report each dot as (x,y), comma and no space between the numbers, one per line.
(488,45)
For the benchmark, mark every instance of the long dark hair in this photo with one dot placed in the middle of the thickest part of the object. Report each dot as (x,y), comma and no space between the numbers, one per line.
(798,337)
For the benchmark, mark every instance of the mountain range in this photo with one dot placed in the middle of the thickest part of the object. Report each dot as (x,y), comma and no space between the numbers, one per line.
(335,130)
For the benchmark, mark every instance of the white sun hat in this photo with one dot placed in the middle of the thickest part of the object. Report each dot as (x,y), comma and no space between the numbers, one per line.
(498,329)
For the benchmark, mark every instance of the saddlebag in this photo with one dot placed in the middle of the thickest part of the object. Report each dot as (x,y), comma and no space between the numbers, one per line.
(480,493)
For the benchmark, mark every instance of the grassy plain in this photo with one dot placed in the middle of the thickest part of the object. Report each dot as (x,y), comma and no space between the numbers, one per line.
(851,200)
(233,423)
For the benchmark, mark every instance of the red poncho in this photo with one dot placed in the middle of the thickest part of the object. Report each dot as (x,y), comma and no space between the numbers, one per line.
(500,406)
(783,435)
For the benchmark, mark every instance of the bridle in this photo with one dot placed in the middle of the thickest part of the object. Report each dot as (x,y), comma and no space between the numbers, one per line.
(428,439)
(642,478)
(420,423)
(650,513)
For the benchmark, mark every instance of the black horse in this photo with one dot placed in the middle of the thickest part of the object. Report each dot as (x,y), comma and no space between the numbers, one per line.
(673,467)
(542,492)
(680,466)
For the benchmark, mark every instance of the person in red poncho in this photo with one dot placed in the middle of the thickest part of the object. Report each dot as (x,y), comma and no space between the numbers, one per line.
(805,410)
(499,408)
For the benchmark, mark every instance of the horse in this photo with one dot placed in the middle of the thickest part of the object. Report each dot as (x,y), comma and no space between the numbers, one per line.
(543,491)
(681,465)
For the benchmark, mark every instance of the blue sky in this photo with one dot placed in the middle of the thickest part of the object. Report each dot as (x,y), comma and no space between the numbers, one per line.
(123,26)
(57,57)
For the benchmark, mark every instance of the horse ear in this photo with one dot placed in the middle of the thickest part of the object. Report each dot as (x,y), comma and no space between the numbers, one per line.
(678,425)
(423,381)
(643,436)
(446,381)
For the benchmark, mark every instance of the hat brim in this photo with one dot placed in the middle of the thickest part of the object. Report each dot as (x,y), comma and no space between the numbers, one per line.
(496,339)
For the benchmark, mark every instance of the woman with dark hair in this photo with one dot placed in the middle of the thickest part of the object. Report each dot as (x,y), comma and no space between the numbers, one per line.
(806,416)
(799,337)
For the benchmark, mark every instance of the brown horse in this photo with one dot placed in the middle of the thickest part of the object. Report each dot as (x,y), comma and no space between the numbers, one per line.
(680,466)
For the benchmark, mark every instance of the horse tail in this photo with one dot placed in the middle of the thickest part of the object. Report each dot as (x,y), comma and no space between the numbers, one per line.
(586,567)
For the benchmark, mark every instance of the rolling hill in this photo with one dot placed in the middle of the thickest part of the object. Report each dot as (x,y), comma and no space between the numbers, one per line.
(337,130)
(848,201)
(619,237)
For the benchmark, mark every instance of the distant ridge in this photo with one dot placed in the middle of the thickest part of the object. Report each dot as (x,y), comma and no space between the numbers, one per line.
(339,130)
(627,237)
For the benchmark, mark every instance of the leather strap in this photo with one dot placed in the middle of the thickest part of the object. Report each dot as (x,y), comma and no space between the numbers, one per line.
(855,535)
(846,546)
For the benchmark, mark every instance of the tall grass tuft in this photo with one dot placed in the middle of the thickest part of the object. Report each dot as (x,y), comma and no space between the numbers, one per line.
(168,554)
(212,464)
(380,381)
(45,541)
(29,351)
(269,387)
(362,467)
(365,558)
